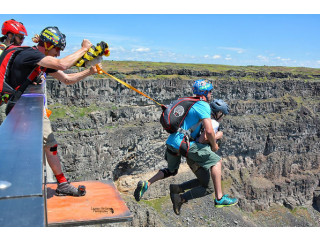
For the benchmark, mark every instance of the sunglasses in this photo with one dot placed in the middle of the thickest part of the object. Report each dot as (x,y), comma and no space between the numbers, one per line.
(21,37)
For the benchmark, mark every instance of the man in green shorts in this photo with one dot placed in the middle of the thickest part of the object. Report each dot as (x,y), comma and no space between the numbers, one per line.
(202,168)
(200,157)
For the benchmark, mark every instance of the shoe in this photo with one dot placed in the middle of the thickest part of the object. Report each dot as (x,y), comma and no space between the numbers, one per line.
(225,201)
(174,189)
(66,189)
(177,203)
(142,187)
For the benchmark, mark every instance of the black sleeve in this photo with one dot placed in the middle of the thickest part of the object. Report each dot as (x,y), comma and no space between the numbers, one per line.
(32,56)
(50,70)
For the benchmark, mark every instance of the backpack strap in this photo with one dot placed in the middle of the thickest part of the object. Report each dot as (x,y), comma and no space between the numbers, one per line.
(185,143)
(190,130)
(33,77)
(6,60)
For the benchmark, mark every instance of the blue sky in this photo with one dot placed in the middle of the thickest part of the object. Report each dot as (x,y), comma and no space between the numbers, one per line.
(231,39)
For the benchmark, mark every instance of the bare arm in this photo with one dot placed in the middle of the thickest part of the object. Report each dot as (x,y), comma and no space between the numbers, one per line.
(204,139)
(210,134)
(73,78)
(68,61)
(219,135)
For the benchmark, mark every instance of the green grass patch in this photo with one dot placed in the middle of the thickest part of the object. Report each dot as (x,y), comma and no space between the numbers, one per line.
(60,111)
(226,184)
(129,66)
(157,203)
(126,70)
(74,112)
(299,211)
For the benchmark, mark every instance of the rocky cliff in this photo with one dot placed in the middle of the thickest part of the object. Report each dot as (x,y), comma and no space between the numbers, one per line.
(270,147)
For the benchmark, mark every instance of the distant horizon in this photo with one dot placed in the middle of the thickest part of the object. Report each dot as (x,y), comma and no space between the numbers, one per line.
(287,40)
(209,64)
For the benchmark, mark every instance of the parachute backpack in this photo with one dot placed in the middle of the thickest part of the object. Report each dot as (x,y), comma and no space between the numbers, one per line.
(174,114)
(6,60)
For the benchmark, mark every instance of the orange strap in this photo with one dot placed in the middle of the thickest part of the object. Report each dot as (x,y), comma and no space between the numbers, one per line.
(100,71)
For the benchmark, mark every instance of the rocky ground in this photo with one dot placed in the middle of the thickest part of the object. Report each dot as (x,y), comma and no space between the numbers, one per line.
(158,212)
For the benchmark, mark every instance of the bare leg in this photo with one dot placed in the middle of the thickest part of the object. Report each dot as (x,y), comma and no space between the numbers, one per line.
(158,176)
(216,178)
(53,161)
(219,135)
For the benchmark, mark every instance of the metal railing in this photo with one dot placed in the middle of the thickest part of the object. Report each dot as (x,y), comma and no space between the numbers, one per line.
(22,195)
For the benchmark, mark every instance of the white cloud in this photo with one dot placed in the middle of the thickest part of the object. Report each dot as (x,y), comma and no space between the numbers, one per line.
(140,49)
(238,50)
(318,62)
(213,57)
(228,58)
(283,59)
(263,58)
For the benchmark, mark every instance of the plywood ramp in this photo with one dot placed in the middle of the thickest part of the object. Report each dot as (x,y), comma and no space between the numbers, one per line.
(101,204)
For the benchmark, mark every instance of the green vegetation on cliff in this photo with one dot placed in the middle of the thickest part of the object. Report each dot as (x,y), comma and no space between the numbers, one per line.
(129,66)
(126,70)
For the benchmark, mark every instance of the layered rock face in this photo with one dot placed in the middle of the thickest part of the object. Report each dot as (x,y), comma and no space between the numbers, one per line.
(270,147)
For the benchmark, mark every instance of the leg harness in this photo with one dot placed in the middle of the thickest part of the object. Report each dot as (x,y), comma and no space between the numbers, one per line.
(167,172)
(54,149)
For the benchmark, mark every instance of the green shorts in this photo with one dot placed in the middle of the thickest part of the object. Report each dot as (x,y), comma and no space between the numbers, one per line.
(173,157)
(198,153)
(203,155)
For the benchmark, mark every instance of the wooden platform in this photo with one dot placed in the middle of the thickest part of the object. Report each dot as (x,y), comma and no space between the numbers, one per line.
(101,204)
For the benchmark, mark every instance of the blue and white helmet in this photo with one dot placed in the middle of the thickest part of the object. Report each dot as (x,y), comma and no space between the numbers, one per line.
(201,87)
(219,105)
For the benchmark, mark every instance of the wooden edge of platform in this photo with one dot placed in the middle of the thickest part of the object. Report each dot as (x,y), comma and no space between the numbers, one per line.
(91,222)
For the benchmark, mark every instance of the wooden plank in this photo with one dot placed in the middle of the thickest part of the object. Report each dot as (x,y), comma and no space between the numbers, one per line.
(101,204)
